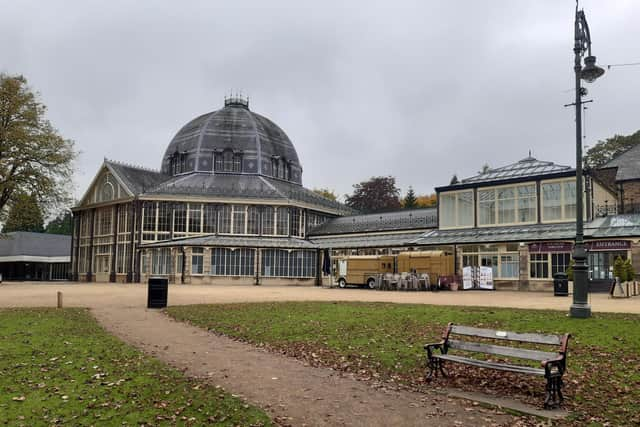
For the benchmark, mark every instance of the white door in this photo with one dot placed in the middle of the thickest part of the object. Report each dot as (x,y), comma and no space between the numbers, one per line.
(342,267)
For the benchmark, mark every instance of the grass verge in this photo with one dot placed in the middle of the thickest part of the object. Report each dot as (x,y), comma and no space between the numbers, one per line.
(383,341)
(59,367)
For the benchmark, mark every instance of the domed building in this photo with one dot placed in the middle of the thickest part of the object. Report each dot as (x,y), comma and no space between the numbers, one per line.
(228,201)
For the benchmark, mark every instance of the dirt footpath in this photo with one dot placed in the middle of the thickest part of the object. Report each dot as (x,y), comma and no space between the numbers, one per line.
(292,392)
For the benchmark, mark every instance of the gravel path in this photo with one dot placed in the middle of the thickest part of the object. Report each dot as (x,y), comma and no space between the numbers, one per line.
(35,294)
(292,392)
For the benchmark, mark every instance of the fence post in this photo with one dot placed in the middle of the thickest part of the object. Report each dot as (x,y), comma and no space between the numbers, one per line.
(59,299)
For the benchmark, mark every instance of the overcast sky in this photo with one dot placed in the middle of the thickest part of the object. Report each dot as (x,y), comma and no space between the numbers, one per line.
(415,89)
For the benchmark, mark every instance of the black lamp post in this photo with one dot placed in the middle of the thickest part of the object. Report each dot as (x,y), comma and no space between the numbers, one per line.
(590,72)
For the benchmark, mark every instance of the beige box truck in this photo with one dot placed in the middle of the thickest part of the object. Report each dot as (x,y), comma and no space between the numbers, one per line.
(362,270)
(436,263)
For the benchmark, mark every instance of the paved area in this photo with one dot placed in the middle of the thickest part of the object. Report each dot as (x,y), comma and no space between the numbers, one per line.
(32,294)
(292,392)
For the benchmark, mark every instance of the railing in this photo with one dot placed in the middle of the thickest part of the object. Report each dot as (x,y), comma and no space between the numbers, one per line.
(606,210)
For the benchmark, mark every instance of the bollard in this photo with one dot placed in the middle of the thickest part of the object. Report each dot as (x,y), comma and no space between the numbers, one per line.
(59,299)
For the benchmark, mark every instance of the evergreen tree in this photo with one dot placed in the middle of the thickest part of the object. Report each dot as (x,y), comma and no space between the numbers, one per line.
(410,200)
(25,214)
(454,180)
(62,224)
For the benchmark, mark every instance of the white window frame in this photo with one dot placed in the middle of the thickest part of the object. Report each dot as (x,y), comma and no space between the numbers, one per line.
(516,199)
(457,209)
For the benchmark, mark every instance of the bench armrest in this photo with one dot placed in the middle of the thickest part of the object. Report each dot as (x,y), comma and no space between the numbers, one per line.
(433,346)
(558,363)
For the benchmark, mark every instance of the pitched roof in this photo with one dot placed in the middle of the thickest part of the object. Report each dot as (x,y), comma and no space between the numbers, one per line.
(405,219)
(628,164)
(136,179)
(243,186)
(34,244)
(525,168)
(366,241)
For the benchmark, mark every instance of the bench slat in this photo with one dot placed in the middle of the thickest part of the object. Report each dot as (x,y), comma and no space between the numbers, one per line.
(522,353)
(506,335)
(491,365)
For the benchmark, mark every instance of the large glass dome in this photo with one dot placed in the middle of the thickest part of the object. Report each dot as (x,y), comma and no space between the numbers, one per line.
(233,140)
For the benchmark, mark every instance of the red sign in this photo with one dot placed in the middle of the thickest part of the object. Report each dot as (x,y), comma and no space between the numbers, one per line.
(551,247)
(608,245)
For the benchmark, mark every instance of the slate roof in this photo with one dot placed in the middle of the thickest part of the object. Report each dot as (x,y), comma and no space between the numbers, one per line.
(236,241)
(239,129)
(135,178)
(367,241)
(242,186)
(628,164)
(406,219)
(34,244)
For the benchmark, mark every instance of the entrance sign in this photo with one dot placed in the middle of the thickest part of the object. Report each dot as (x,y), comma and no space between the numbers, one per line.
(608,245)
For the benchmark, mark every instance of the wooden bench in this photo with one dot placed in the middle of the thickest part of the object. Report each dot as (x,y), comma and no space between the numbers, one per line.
(553,364)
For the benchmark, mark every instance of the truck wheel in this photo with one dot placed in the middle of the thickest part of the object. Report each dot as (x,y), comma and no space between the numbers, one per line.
(371,283)
(342,283)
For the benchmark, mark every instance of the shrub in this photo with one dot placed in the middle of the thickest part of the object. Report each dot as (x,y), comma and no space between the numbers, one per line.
(618,269)
(630,273)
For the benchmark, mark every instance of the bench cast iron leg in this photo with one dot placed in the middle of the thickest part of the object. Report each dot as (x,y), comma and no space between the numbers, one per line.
(554,395)
(435,365)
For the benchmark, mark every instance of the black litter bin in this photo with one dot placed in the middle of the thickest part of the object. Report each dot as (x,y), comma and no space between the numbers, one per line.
(560,285)
(157,292)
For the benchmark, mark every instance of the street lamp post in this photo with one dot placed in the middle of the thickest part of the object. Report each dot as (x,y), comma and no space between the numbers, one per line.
(590,72)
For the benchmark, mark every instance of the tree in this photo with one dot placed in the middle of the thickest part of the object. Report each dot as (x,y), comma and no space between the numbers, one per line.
(454,180)
(34,158)
(427,200)
(378,194)
(604,151)
(326,193)
(62,224)
(410,201)
(25,214)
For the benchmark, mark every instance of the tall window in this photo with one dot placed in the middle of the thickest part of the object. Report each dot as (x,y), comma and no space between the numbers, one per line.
(267,220)
(296,222)
(282,215)
(456,209)
(164,221)
(228,160)
(149,221)
(224,219)
(239,216)
(210,219)
(253,220)
(218,164)
(237,162)
(559,200)
(161,261)
(180,218)
(539,266)
(195,216)
(197,260)
(507,205)
(232,262)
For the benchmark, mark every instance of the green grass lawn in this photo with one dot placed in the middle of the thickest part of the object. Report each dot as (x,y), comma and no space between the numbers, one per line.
(384,341)
(59,367)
